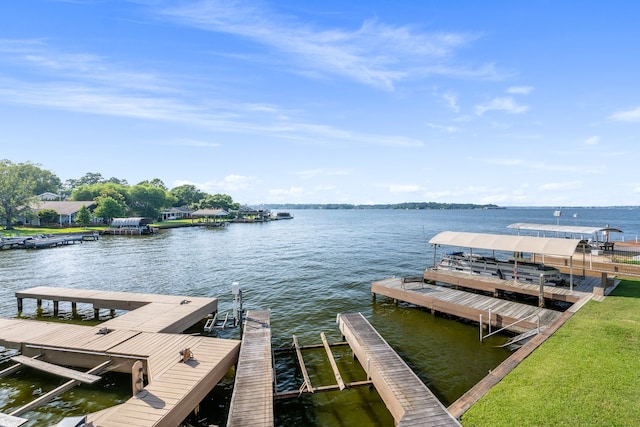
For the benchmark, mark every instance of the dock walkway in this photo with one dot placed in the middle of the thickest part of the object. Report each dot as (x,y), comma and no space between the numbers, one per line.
(494,284)
(174,385)
(252,399)
(465,305)
(408,399)
(146,312)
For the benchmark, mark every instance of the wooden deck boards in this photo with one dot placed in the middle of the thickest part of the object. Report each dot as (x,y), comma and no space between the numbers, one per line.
(174,387)
(252,399)
(408,399)
(493,284)
(465,304)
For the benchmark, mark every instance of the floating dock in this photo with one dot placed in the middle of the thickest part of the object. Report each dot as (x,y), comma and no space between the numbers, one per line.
(171,372)
(252,399)
(409,400)
(466,305)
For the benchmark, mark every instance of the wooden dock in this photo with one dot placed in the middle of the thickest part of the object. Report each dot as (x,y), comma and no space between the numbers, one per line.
(252,399)
(496,285)
(146,312)
(466,305)
(409,400)
(176,371)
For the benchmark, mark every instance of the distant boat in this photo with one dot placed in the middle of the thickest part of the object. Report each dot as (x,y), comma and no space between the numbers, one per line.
(575,215)
(283,215)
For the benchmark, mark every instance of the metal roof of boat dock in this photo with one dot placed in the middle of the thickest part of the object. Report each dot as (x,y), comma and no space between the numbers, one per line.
(504,242)
(575,229)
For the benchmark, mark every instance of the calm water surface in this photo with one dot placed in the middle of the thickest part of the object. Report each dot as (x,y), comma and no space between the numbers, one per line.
(306,270)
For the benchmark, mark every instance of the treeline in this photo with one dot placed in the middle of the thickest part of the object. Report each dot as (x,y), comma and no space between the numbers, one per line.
(403,206)
(21,183)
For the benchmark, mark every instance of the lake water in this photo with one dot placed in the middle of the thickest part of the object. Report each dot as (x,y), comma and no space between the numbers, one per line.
(306,270)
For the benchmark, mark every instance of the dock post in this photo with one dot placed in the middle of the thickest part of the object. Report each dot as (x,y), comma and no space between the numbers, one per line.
(19,305)
(96,313)
(56,305)
(74,309)
(112,312)
(39,303)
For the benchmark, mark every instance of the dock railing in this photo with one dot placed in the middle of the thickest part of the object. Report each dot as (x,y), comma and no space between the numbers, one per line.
(482,336)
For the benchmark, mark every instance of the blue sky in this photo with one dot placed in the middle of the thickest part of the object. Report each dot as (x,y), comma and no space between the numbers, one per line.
(514,103)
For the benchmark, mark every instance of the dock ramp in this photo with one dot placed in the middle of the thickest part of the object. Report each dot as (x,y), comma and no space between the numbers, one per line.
(409,400)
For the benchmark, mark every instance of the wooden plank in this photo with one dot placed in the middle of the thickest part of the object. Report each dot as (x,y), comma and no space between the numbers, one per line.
(57,391)
(332,361)
(405,395)
(303,368)
(56,369)
(252,398)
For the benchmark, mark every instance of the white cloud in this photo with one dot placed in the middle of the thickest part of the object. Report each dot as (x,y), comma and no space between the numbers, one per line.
(448,129)
(501,104)
(627,116)
(313,173)
(375,54)
(406,188)
(288,192)
(228,184)
(520,90)
(561,186)
(451,99)
(592,140)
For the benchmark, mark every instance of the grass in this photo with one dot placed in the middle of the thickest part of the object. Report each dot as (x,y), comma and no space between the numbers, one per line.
(586,374)
(29,231)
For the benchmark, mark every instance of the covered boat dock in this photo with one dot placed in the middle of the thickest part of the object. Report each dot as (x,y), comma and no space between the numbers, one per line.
(515,244)
(597,237)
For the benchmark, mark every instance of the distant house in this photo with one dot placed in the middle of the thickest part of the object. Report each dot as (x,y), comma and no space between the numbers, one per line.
(67,211)
(176,213)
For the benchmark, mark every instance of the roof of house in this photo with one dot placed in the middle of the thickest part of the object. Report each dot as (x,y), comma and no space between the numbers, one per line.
(178,209)
(63,208)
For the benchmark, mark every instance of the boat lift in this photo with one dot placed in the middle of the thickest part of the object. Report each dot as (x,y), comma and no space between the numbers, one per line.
(218,322)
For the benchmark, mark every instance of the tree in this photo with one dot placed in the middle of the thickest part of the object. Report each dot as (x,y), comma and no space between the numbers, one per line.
(220,201)
(84,216)
(156,182)
(48,216)
(108,208)
(147,200)
(91,192)
(17,186)
(187,195)
(45,180)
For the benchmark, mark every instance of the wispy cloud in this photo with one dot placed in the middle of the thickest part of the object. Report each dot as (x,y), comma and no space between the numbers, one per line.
(451,98)
(448,129)
(313,173)
(375,53)
(592,140)
(90,85)
(627,116)
(520,90)
(562,186)
(403,188)
(506,104)
(228,184)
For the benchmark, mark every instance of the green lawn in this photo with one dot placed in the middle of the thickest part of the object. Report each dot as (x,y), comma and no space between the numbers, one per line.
(30,231)
(586,374)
